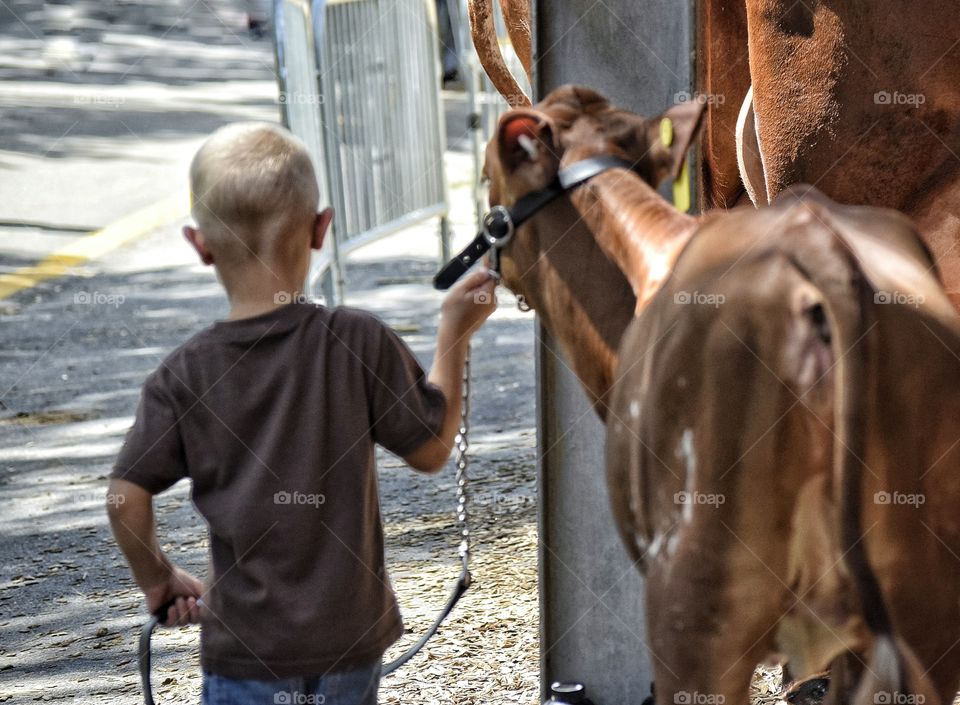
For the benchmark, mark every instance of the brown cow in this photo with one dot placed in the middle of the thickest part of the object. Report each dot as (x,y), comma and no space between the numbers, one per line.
(772,460)
(859,98)
(771,343)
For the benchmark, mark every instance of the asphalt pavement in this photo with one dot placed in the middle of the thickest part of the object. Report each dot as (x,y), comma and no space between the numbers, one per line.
(102,106)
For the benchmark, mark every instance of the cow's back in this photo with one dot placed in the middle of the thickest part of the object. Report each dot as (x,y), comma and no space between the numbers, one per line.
(715,398)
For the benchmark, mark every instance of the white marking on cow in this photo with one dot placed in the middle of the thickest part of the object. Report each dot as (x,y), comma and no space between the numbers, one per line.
(654,549)
(666,542)
(672,543)
(635,409)
(528,145)
(686,452)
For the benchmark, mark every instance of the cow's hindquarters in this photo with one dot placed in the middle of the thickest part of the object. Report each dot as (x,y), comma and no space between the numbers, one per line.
(733,384)
(712,478)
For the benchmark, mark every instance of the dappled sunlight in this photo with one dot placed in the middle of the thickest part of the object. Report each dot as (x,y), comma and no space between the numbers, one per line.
(70,607)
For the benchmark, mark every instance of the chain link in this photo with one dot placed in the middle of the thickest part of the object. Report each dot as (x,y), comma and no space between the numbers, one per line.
(462,477)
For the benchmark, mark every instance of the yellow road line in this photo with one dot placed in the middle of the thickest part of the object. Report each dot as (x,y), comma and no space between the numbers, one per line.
(95,244)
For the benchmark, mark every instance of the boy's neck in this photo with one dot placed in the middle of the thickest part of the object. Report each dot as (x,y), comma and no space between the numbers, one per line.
(241,310)
(254,293)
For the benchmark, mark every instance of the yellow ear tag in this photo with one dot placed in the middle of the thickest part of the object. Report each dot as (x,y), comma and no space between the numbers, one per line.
(666,132)
(681,189)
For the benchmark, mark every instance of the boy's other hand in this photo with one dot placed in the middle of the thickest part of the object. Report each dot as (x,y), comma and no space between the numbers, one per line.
(470,302)
(183,587)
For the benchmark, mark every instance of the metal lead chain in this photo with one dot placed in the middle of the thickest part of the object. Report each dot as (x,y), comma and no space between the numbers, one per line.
(463,582)
(463,480)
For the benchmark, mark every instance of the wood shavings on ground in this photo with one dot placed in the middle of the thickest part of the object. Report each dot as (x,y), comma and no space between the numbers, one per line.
(766,686)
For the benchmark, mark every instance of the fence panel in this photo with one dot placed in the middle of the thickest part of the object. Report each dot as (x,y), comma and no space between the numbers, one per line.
(360,85)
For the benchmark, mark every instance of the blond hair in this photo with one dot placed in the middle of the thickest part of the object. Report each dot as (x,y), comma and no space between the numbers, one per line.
(252,188)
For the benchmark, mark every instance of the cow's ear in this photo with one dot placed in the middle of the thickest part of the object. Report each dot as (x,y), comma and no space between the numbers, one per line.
(526,140)
(671,135)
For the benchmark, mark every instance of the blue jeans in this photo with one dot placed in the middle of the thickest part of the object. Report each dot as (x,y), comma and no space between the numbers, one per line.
(354,687)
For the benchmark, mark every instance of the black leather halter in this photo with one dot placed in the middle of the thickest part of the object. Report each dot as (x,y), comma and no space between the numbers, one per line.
(500,223)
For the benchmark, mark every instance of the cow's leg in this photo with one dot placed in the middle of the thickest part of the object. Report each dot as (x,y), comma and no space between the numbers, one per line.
(709,628)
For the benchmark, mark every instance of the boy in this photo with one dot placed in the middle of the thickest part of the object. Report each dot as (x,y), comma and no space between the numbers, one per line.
(273,414)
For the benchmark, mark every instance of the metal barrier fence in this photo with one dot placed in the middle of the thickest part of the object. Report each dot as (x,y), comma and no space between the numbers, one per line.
(359,83)
(486,104)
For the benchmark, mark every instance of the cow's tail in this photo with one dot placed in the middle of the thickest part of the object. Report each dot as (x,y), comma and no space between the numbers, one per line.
(484,34)
(516,15)
(848,302)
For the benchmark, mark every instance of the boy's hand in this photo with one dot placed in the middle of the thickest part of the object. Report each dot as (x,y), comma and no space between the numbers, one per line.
(185,588)
(130,508)
(470,302)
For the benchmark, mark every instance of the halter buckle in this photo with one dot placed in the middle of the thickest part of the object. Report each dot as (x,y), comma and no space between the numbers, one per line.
(498,227)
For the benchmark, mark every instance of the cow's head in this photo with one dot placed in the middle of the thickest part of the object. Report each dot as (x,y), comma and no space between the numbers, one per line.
(570,124)
(553,260)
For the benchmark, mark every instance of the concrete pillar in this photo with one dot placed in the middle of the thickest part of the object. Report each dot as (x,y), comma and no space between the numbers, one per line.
(638,53)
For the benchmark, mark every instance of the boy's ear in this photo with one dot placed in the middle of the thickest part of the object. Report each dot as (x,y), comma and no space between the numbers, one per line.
(671,136)
(196,239)
(526,141)
(320,227)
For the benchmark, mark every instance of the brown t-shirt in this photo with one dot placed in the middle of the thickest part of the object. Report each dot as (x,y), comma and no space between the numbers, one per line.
(274,420)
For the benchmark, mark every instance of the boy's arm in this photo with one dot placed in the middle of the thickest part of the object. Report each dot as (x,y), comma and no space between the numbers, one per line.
(469,303)
(130,508)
